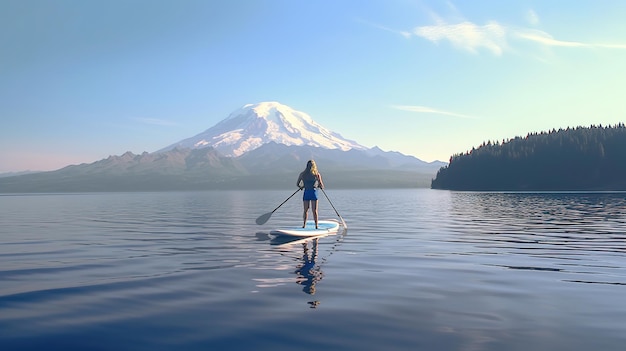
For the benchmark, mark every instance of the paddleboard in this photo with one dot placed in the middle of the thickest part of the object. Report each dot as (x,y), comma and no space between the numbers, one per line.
(323,227)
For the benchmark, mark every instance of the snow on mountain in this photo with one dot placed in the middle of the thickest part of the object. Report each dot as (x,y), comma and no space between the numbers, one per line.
(254,125)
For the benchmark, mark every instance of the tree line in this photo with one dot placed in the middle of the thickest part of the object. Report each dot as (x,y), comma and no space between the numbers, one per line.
(580,158)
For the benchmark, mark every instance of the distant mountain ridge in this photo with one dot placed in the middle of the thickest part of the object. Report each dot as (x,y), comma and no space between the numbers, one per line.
(15,174)
(271,166)
(259,146)
(273,156)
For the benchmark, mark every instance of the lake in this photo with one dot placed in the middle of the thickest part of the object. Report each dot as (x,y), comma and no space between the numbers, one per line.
(417,269)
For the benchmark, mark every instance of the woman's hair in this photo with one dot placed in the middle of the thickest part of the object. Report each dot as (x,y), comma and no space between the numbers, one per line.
(311,168)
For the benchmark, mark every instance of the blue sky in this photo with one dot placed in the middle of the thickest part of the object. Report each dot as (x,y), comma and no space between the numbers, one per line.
(82,80)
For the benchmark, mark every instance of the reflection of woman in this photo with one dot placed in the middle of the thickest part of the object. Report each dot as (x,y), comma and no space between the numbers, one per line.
(308,273)
(309,180)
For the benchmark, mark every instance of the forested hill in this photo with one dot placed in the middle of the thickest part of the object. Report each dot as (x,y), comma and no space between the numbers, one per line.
(582,158)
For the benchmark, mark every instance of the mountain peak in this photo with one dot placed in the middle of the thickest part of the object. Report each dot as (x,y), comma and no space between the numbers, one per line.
(254,125)
(265,109)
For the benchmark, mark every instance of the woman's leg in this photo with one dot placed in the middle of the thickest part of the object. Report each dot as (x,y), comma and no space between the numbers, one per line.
(314,210)
(306,212)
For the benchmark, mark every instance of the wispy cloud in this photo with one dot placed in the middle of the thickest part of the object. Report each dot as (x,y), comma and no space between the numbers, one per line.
(544,38)
(429,110)
(378,26)
(494,37)
(467,36)
(611,46)
(156,121)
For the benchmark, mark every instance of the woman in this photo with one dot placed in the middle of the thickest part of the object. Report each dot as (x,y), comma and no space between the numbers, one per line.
(309,180)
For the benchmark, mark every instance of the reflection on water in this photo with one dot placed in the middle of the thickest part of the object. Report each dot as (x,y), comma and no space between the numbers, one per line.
(421,270)
(308,268)
(308,273)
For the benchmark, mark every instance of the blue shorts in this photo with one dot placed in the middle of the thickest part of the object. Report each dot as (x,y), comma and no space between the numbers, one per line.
(309,194)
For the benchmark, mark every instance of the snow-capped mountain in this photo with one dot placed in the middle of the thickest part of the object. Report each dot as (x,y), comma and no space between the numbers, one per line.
(261,145)
(254,125)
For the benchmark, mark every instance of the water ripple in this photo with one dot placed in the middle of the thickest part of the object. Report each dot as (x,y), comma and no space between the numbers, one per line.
(418,269)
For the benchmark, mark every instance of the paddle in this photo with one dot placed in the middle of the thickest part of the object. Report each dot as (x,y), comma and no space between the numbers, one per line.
(264,218)
(333,206)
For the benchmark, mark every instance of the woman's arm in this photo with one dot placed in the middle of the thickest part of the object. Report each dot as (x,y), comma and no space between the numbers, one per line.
(319,179)
(300,180)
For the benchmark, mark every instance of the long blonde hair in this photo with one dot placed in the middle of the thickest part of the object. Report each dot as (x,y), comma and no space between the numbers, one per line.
(311,168)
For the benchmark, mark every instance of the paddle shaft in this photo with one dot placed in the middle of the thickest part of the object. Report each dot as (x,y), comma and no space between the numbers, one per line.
(333,206)
(264,218)
(290,196)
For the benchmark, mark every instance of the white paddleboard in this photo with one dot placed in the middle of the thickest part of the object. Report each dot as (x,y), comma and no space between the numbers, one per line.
(323,227)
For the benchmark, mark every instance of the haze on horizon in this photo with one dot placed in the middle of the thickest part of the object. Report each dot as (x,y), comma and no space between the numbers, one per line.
(85,80)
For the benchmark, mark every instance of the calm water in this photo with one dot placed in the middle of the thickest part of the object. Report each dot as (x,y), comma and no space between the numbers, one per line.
(418,269)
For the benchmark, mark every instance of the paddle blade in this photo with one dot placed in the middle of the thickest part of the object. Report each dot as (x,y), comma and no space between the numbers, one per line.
(263,218)
(345,226)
